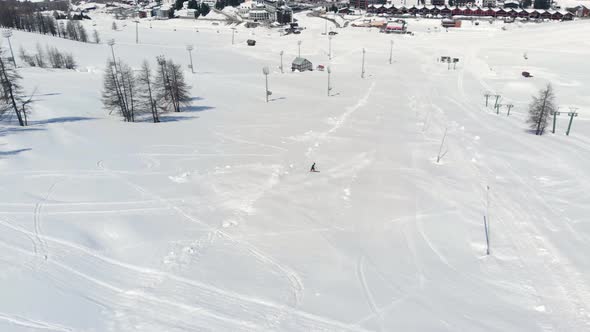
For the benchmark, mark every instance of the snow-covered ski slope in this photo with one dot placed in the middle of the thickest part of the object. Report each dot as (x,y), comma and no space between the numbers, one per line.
(211,220)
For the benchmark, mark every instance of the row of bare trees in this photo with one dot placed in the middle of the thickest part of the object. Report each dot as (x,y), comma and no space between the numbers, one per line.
(133,94)
(48,57)
(48,25)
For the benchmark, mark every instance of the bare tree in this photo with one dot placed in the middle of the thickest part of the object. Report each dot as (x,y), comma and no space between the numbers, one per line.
(145,81)
(40,56)
(55,58)
(72,30)
(178,88)
(11,90)
(26,102)
(82,33)
(96,37)
(172,90)
(119,90)
(25,57)
(540,109)
(130,92)
(69,62)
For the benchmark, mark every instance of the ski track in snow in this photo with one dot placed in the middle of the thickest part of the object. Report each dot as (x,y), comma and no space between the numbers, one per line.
(294,279)
(228,297)
(340,121)
(360,269)
(34,324)
(37,221)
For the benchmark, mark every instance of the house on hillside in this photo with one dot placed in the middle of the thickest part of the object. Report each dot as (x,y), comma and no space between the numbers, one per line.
(301,64)
(580,11)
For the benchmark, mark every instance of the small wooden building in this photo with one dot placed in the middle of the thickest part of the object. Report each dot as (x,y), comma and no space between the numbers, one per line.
(301,64)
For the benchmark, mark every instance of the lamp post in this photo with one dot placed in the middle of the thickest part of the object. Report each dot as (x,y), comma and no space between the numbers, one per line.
(136,31)
(330,47)
(7,34)
(266,71)
(363,64)
(282,62)
(391,52)
(189,48)
(329,74)
(299,49)
(111,43)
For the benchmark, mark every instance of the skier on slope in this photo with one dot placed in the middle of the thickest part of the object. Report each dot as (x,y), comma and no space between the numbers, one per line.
(313,168)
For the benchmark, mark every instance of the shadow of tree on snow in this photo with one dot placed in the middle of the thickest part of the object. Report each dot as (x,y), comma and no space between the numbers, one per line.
(64,119)
(12,152)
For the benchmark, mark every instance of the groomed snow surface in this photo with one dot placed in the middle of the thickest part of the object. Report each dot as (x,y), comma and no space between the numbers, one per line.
(211,220)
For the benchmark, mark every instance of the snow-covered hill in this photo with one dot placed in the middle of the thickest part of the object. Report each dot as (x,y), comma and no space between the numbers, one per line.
(211,221)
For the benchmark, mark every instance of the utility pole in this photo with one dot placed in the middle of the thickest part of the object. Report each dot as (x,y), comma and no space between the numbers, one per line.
(299,48)
(329,73)
(266,71)
(282,62)
(487,220)
(330,47)
(189,48)
(7,34)
(555,114)
(498,108)
(509,106)
(363,64)
(391,52)
(487,95)
(497,98)
(136,31)
(571,114)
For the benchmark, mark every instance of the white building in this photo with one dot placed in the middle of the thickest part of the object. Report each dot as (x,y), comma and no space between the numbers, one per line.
(259,15)
(210,3)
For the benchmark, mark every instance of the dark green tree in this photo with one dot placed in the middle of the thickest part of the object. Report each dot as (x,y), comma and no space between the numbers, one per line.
(178,4)
(193,4)
(526,4)
(542,4)
(204,9)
